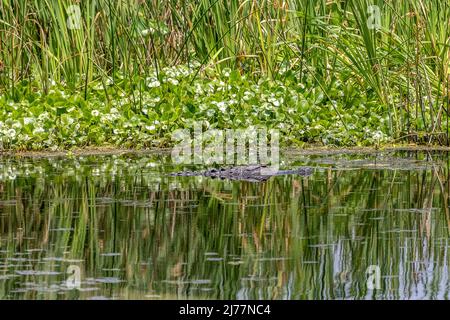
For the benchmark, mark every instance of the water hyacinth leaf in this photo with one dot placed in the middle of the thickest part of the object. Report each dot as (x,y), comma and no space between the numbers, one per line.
(61,110)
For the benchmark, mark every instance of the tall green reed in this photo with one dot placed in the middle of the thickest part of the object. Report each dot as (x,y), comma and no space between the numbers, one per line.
(403,62)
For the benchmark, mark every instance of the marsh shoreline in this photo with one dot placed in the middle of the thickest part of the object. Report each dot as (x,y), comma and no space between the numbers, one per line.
(292,151)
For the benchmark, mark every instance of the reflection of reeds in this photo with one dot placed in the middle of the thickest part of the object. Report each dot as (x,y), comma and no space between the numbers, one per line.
(287,238)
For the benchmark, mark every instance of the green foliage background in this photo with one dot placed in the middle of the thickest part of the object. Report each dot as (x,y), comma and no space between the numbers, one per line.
(355,85)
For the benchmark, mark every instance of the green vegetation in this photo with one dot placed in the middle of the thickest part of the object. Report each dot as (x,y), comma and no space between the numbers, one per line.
(127,73)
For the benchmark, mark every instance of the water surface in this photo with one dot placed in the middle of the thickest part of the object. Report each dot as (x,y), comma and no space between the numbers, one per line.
(136,233)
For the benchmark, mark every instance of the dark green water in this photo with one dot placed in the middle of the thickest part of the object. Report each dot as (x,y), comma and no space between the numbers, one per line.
(135,233)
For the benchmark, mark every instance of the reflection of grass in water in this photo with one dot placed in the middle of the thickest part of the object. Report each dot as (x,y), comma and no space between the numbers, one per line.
(287,238)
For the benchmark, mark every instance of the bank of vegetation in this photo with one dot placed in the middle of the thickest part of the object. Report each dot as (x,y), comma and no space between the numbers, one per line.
(128,73)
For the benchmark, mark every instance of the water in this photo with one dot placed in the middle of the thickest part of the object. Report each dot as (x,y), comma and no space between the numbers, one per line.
(132,232)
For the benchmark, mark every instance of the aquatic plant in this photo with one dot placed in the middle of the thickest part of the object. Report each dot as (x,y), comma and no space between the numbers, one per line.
(360,58)
(145,115)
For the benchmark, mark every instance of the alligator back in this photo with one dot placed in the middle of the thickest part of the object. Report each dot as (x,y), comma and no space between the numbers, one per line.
(251,173)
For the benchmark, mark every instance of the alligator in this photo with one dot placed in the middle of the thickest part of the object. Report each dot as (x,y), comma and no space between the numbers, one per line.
(252,173)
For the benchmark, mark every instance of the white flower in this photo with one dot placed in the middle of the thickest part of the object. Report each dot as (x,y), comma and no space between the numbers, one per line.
(28,120)
(11,133)
(17,125)
(148,31)
(173,81)
(378,135)
(226,72)
(38,130)
(153,83)
(95,113)
(150,128)
(222,106)
(275,102)
(198,89)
